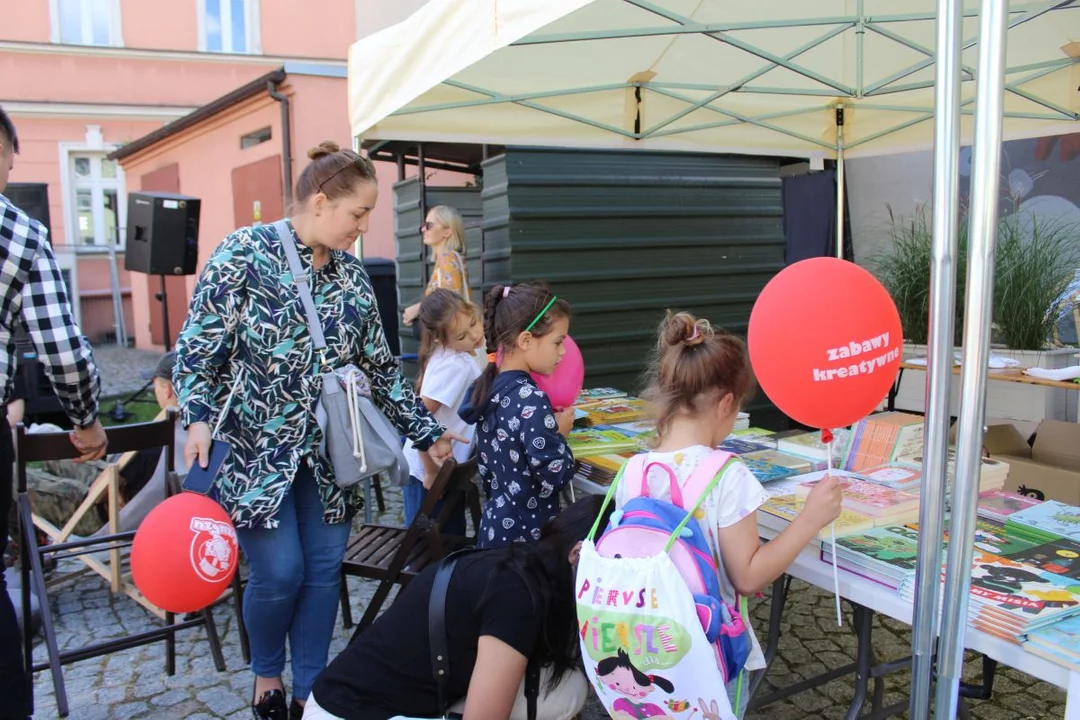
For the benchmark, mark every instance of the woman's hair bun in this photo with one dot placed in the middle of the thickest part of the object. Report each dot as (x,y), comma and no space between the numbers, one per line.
(326,147)
(683,329)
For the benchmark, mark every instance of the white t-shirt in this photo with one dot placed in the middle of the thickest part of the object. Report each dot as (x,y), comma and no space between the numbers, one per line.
(447,376)
(737,495)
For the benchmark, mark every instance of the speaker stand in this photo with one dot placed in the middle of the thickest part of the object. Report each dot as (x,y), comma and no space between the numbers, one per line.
(164,298)
(119,413)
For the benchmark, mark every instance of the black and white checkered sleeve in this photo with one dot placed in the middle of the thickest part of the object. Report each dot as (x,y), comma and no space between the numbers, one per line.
(62,349)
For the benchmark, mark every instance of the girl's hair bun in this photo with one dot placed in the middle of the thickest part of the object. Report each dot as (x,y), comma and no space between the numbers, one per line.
(326,147)
(683,329)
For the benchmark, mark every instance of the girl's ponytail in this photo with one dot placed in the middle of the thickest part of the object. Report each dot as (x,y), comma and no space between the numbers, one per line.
(482,388)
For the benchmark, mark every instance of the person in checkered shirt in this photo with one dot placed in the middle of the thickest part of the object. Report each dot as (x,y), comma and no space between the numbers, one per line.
(34,297)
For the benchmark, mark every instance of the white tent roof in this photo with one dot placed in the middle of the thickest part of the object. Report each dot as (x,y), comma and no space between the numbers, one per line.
(761,77)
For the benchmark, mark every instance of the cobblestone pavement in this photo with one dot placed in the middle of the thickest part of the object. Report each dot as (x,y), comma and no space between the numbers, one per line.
(133,684)
(121,368)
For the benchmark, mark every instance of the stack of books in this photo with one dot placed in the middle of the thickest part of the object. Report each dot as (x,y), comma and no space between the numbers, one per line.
(1058,642)
(992,472)
(1011,598)
(883,505)
(1046,522)
(595,473)
(592,395)
(743,446)
(614,410)
(587,442)
(779,511)
(883,438)
(798,465)
(998,505)
(897,476)
(761,436)
(886,555)
(809,445)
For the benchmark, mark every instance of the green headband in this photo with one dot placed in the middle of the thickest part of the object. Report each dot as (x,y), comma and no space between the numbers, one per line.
(542,313)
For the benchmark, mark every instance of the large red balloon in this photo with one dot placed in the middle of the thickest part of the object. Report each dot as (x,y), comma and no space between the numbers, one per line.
(564,385)
(825,342)
(184,554)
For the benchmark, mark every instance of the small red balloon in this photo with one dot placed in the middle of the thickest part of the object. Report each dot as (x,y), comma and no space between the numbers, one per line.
(184,554)
(825,342)
(564,385)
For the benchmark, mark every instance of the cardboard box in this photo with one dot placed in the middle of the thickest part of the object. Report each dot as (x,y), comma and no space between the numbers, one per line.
(1048,468)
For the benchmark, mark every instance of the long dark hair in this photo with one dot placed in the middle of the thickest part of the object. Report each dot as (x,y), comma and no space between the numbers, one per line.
(508,311)
(545,568)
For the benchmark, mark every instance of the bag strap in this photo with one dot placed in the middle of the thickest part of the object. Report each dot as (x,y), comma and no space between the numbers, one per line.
(707,468)
(697,504)
(440,647)
(440,651)
(303,285)
(639,459)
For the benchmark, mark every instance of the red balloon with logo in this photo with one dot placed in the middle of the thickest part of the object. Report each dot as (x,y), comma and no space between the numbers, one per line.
(564,385)
(825,342)
(185,553)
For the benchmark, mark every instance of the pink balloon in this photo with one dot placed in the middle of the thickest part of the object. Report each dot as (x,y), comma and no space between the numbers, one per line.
(564,385)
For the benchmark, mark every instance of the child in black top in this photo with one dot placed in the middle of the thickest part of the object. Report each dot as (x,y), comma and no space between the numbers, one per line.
(524,460)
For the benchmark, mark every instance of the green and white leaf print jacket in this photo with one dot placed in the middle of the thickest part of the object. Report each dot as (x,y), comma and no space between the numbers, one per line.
(246,319)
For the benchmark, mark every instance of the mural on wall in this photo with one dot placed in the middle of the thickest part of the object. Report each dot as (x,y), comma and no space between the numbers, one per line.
(1040,183)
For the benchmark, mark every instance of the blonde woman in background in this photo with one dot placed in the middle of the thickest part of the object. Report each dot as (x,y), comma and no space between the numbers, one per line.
(444,233)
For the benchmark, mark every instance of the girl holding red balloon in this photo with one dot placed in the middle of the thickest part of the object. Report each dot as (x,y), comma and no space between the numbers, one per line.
(698,382)
(524,459)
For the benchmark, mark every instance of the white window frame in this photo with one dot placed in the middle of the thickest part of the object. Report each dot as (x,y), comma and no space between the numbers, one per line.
(252,26)
(70,185)
(116,37)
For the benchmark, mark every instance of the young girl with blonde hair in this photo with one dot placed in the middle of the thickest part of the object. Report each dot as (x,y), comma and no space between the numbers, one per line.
(697,384)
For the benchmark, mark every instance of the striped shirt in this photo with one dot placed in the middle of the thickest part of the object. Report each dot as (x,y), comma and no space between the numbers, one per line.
(36,300)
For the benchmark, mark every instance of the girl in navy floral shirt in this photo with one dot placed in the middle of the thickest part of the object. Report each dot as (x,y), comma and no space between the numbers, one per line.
(521,441)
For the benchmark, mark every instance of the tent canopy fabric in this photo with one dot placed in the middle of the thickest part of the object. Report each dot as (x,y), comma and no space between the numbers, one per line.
(762,77)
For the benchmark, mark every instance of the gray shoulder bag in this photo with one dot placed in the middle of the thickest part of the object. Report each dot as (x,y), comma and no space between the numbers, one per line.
(360,442)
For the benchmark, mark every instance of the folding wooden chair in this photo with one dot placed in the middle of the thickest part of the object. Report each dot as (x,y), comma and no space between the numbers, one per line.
(57,446)
(395,555)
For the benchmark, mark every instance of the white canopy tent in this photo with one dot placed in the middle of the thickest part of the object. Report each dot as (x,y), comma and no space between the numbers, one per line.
(767,78)
(708,75)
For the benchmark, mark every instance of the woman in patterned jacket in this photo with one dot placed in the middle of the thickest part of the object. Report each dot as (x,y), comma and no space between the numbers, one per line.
(247,325)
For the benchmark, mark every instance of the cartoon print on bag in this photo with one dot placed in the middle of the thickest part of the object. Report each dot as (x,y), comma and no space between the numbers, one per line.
(620,675)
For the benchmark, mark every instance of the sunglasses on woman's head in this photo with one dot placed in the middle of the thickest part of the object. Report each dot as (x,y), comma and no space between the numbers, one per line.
(427,226)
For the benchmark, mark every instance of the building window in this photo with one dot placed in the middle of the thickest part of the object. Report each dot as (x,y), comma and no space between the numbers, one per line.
(97,186)
(255,138)
(86,22)
(229,26)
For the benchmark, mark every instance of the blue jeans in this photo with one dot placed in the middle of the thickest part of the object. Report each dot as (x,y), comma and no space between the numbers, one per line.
(293,585)
(413,496)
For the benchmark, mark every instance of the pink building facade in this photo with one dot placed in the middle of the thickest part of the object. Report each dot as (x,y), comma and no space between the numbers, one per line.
(82,78)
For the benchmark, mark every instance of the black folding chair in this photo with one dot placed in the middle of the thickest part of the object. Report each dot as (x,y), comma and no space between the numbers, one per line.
(57,446)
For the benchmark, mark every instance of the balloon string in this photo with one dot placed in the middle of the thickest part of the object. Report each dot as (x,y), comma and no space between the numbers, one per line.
(832,538)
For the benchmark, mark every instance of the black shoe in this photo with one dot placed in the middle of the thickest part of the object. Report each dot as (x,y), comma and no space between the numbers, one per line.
(296,710)
(271,706)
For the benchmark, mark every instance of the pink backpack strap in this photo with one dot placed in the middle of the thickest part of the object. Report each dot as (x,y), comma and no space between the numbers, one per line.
(636,472)
(703,474)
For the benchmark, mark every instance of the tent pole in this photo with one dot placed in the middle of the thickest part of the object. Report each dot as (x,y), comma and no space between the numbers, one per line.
(939,370)
(841,198)
(985,185)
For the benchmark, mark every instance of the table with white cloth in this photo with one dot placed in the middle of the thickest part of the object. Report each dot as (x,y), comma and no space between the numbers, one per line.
(867,597)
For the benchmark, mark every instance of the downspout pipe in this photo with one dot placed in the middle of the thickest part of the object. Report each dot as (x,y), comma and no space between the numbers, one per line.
(286,141)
